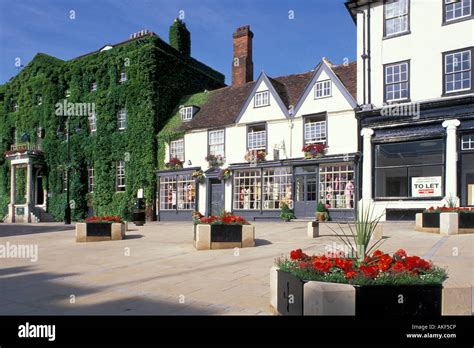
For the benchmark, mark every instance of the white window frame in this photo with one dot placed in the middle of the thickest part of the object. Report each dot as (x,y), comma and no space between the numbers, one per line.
(256,140)
(120,176)
(262,99)
(177,149)
(323,89)
(39,100)
(452,4)
(453,72)
(123,77)
(90,179)
(186,113)
(93,86)
(401,81)
(93,122)
(403,14)
(217,142)
(467,142)
(122,119)
(314,132)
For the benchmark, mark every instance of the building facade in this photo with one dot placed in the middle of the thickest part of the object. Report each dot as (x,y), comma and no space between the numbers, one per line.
(415,88)
(249,140)
(84,131)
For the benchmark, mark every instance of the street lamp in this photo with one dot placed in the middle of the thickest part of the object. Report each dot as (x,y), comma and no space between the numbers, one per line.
(59,133)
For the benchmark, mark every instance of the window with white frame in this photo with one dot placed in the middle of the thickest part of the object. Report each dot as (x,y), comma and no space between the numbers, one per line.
(123,77)
(458,71)
(322,89)
(396,81)
(314,129)
(396,17)
(93,122)
(186,113)
(90,179)
(456,9)
(216,142)
(177,149)
(467,142)
(277,187)
(120,175)
(15,107)
(93,86)
(336,185)
(257,137)
(122,119)
(247,189)
(177,192)
(262,99)
(39,100)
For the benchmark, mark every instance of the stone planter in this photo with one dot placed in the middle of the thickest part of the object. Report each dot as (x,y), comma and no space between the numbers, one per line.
(223,236)
(321,216)
(445,223)
(99,231)
(292,296)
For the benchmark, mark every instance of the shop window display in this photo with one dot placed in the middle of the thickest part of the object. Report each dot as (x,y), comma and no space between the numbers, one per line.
(336,185)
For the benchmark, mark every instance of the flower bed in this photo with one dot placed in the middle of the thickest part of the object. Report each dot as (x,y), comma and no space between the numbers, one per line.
(104,219)
(378,285)
(222,232)
(314,150)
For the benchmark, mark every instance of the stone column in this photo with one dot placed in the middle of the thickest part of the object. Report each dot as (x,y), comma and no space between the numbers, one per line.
(367,163)
(451,189)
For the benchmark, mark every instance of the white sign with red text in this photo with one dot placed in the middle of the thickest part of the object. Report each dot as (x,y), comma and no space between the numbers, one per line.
(426,186)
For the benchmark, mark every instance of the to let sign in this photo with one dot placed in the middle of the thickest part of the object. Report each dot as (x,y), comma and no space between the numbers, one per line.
(426,186)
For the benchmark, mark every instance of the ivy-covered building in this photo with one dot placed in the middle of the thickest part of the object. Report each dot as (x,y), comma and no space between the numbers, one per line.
(112,102)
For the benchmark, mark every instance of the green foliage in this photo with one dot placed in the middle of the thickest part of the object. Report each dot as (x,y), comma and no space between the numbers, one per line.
(157,78)
(321,208)
(180,38)
(286,213)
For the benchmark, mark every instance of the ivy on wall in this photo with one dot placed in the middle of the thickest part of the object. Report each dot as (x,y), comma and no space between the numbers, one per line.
(180,38)
(158,76)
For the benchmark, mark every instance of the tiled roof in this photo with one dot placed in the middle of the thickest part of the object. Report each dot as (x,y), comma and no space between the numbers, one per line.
(223,105)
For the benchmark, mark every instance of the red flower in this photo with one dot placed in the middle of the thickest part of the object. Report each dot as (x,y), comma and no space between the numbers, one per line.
(368,271)
(350,274)
(322,265)
(110,219)
(401,253)
(297,254)
(398,266)
(377,253)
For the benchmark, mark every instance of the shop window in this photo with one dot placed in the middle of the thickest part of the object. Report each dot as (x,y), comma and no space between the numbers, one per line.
(177,192)
(409,169)
(336,185)
(247,189)
(276,187)
(467,142)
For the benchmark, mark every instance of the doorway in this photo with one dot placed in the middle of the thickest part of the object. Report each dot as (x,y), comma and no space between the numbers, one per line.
(467,180)
(39,190)
(306,191)
(216,197)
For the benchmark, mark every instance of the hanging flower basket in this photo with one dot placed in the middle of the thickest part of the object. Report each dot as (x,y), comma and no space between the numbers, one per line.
(255,156)
(214,161)
(198,176)
(314,151)
(224,174)
(174,163)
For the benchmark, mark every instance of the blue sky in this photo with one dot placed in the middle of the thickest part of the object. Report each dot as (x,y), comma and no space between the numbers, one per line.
(320,28)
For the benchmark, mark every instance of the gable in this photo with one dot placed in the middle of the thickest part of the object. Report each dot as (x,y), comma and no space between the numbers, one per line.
(338,100)
(253,113)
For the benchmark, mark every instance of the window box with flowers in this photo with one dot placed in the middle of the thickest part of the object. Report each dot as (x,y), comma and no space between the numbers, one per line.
(174,163)
(100,228)
(446,220)
(199,176)
(379,285)
(255,156)
(314,150)
(224,174)
(226,231)
(215,161)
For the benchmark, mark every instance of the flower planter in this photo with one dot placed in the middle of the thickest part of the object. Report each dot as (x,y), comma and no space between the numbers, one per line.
(446,223)
(99,231)
(466,221)
(208,236)
(431,220)
(292,296)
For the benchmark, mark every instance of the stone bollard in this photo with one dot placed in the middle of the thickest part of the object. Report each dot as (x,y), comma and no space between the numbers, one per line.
(448,223)
(419,222)
(313,229)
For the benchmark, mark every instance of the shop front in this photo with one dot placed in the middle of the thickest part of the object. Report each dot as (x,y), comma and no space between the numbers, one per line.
(467,169)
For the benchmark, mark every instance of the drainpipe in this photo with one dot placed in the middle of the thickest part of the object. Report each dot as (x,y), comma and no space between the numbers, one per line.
(369,72)
(364,56)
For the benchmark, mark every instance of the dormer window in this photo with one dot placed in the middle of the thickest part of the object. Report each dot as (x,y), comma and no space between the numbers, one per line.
(187,113)
(123,77)
(262,99)
(322,89)
(93,86)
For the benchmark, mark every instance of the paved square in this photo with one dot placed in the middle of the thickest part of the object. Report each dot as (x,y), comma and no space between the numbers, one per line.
(156,269)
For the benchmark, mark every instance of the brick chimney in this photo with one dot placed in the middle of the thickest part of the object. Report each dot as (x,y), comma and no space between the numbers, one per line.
(242,64)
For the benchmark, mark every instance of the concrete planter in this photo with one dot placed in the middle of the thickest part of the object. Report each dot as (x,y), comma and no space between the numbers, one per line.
(223,236)
(96,232)
(292,296)
(445,223)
